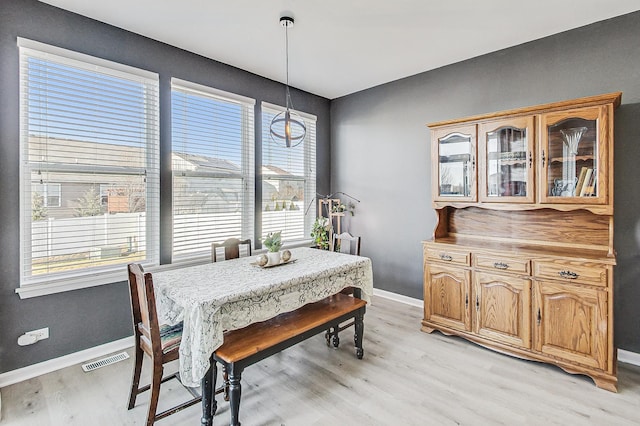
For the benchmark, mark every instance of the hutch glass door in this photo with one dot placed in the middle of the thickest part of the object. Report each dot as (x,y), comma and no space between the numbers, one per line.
(571,157)
(506,166)
(456,165)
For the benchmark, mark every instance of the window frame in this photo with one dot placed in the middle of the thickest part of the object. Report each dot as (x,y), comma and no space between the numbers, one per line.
(92,276)
(45,193)
(247,166)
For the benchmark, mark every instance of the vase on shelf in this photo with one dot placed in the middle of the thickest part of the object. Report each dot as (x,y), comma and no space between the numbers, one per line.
(571,138)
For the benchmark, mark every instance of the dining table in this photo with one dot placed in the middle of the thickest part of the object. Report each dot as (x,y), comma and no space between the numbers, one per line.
(214,297)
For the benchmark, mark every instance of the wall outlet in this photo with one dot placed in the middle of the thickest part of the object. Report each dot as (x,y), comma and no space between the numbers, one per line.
(41,334)
(31,337)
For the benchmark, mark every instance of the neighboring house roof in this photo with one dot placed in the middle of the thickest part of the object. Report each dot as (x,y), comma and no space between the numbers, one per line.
(204,163)
(109,154)
(274,170)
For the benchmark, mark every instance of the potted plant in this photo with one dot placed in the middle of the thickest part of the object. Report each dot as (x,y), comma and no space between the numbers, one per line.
(320,232)
(273,243)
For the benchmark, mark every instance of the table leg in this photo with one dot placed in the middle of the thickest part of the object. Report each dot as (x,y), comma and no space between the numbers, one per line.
(359,332)
(235,391)
(207,385)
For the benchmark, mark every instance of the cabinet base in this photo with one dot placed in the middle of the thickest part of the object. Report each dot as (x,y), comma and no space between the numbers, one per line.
(602,379)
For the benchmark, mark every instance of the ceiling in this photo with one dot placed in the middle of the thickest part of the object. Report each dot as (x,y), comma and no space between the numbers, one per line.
(338,47)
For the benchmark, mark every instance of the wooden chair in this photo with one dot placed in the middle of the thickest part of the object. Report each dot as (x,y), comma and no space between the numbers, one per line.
(161,343)
(231,248)
(349,244)
(346,243)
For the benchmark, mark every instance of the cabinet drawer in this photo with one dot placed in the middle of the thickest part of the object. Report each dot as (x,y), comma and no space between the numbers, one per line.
(502,263)
(582,272)
(448,256)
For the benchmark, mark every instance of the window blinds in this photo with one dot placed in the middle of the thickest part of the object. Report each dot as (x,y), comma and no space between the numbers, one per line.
(213,167)
(89,164)
(288,180)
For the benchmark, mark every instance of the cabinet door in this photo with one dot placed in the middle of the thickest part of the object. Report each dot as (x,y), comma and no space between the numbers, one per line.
(570,322)
(447,296)
(505,154)
(454,152)
(574,152)
(502,308)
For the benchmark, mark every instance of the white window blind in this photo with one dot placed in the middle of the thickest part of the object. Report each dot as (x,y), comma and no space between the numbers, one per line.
(288,180)
(89,166)
(213,167)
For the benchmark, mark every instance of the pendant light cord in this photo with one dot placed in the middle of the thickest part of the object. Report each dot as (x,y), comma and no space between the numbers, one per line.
(286,41)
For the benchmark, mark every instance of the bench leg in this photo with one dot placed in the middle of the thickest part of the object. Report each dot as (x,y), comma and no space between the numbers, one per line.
(208,385)
(235,391)
(359,332)
(336,339)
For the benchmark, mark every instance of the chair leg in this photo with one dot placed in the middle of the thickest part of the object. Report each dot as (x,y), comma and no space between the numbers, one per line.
(155,390)
(225,384)
(135,381)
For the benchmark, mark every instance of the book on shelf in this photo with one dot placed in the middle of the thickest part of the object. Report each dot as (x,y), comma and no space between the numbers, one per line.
(593,185)
(583,173)
(588,185)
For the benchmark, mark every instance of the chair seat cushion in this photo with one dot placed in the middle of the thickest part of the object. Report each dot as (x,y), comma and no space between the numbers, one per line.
(170,336)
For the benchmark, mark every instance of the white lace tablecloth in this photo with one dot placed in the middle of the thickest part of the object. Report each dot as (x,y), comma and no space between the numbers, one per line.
(235,293)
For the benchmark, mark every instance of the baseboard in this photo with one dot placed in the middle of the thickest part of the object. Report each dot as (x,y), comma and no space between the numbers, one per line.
(629,357)
(48,366)
(398,297)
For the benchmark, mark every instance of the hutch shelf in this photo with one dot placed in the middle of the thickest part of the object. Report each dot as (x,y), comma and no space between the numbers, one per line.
(521,259)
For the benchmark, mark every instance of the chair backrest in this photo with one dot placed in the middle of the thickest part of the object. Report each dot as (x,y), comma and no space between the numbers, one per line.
(232,248)
(143,307)
(346,243)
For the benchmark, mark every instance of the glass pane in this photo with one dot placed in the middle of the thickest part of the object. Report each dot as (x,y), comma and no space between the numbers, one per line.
(456,174)
(573,154)
(507,162)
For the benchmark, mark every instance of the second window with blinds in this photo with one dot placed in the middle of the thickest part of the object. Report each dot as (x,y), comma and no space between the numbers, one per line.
(288,180)
(212,160)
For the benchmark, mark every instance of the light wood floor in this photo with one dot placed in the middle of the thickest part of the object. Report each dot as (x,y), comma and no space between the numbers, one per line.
(406,378)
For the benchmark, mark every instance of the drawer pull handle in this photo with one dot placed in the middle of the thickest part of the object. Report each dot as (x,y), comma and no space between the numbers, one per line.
(501,265)
(568,274)
(446,257)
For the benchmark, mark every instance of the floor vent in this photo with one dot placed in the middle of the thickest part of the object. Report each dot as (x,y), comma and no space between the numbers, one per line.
(105,361)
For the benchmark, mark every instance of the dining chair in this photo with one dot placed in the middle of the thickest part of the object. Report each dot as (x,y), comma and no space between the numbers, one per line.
(349,244)
(161,343)
(231,248)
(346,243)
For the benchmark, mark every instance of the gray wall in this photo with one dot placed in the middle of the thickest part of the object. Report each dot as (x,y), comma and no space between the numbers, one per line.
(84,318)
(380,145)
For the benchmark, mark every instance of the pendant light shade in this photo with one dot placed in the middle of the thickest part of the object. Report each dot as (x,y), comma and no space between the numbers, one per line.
(287,128)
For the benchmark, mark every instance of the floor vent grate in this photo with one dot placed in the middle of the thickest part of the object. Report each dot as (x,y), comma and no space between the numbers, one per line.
(90,366)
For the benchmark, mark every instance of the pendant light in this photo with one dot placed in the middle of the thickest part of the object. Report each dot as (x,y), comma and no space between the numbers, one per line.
(287,128)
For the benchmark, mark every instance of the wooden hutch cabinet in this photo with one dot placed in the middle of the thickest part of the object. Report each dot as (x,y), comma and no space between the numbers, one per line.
(521,259)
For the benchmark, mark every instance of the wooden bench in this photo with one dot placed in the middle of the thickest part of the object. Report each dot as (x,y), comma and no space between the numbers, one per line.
(246,346)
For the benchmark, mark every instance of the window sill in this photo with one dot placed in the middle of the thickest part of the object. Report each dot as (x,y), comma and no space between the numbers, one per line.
(69,284)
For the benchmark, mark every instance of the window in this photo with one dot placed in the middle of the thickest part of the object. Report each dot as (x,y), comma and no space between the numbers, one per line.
(46,195)
(288,180)
(213,167)
(89,129)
